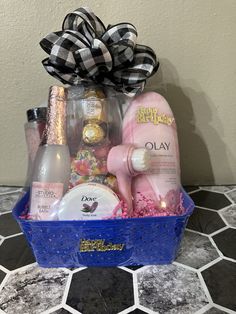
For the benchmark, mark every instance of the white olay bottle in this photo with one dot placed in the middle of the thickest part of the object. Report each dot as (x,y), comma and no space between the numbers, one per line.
(52,163)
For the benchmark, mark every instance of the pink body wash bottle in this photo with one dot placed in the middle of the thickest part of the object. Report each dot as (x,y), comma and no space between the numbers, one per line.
(149,123)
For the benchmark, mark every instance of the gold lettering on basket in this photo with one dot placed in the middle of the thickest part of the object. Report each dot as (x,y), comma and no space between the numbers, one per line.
(99,245)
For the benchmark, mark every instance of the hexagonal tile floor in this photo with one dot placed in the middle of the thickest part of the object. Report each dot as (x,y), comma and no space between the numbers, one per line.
(2,276)
(221,281)
(229,214)
(36,288)
(137,311)
(170,289)
(8,225)
(205,221)
(102,290)
(214,310)
(196,250)
(201,280)
(61,311)
(209,199)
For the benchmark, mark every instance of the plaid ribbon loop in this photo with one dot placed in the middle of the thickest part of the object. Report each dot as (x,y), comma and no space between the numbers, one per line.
(86,50)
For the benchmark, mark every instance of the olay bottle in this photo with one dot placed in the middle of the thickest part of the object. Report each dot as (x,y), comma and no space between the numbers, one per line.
(149,123)
(52,163)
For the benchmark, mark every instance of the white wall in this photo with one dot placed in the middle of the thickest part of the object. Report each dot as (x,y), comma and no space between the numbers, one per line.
(195,42)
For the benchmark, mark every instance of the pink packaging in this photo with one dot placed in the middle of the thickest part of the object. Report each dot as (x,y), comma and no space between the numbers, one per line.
(149,123)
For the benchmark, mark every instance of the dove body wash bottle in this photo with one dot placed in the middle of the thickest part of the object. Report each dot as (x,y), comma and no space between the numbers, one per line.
(149,123)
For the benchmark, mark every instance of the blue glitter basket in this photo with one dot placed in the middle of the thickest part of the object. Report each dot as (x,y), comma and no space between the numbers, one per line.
(120,242)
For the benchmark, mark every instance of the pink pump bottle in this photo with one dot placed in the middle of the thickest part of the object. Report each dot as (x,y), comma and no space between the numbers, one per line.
(149,123)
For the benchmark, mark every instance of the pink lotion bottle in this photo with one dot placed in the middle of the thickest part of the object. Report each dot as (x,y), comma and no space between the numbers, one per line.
(149,123)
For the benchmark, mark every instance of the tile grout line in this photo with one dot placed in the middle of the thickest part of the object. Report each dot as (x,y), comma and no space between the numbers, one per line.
(234,189)
(215,261)
(131,271)
(208,188)
(228,259)
(212,209)
(197,232)
(5,270)
(202,188)
(52,309)
(5,212)
(127,310)
(135,289)
(185,266)
(192,192)
(136,295)
(215,246)
(67,288)
(226,207)
(218,231)
(220,213)
(13,235)
(71,310)
(204,287)
(146,310)
(77,270)
(204,309)
(220,253)
(5,280)
(229,198)
(225,309)
(23,268)
(10,192)
(142,268)
(224,220)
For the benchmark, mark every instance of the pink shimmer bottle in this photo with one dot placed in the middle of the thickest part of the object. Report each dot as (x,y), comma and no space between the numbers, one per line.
(149,123)
(34,128)
(52,163)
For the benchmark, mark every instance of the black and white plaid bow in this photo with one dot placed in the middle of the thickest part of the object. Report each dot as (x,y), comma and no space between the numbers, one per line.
(86,50)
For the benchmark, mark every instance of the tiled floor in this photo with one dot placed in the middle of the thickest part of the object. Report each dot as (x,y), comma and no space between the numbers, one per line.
(201,280)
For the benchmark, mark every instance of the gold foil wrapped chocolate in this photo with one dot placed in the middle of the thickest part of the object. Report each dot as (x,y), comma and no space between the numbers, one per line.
(95,117)
(93,133)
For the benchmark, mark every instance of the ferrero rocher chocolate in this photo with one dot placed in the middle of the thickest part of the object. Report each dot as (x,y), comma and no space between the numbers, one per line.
(95,117)
(94,105)
(93,134)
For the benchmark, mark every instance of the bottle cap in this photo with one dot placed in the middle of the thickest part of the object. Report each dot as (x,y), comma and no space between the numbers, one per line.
(140,159)
(37,114)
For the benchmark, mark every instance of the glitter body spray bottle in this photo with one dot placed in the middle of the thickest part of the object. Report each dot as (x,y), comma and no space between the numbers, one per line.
(52,164)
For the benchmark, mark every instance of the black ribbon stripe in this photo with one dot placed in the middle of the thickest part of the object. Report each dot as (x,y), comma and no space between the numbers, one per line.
(85,49)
